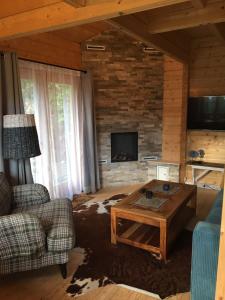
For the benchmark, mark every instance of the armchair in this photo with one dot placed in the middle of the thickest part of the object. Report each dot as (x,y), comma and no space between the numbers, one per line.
(34,230)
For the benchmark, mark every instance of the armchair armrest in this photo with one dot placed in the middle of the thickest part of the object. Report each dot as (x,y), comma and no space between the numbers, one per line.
(29,194)
(21,235)
(205,248)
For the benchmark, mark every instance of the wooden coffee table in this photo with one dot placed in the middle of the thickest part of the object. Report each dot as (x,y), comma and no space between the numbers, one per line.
(153,230)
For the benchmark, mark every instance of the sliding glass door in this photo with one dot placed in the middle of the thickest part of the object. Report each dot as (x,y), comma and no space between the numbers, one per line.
(53,95)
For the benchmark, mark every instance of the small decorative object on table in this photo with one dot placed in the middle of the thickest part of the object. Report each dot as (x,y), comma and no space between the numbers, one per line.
(166,187)
(201,153)
(193,154)
(149,194)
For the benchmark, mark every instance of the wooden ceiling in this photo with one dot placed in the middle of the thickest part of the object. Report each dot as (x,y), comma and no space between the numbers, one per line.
(79,34)
(169,26)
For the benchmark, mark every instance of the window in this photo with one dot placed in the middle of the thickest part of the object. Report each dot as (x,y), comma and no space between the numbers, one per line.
(53,95)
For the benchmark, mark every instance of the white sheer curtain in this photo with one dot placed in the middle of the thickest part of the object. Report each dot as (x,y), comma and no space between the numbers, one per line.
(54,96)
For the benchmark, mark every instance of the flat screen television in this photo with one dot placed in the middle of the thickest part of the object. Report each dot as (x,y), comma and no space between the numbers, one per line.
(206,112)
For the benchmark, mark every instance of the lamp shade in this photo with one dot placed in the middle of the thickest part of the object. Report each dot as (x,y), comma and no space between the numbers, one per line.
(20,139)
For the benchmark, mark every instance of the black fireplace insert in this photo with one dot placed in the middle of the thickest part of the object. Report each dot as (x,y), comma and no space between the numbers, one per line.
(124,146)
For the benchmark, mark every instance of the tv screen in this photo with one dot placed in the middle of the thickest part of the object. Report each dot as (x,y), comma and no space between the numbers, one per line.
(206,113)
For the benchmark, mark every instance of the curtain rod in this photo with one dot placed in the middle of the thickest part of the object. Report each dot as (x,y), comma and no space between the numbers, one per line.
(39,62)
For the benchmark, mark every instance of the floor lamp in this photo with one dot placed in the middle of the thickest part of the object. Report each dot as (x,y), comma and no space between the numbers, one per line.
(20,139)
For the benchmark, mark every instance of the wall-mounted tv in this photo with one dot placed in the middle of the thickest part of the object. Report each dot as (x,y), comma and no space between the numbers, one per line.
(206,112)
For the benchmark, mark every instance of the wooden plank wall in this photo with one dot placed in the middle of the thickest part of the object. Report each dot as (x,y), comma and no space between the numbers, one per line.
(174,112)
(46,48)
(213,143)
(207,67)
(207,77)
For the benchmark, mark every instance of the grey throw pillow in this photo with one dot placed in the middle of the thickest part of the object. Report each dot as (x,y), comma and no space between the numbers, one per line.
(5,196)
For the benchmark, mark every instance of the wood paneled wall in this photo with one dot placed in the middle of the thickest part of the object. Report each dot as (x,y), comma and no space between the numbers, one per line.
(213,143)
(207,67)
(46,48)
(174,111)
(207,77)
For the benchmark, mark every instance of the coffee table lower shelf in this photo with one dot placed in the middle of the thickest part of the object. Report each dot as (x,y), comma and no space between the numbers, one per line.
(141,236)
(147,237)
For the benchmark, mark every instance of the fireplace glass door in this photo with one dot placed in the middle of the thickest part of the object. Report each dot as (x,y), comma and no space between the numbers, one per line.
(124,146)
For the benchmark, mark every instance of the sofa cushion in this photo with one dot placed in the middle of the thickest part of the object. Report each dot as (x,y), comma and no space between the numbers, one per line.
(5,196)
(57,220)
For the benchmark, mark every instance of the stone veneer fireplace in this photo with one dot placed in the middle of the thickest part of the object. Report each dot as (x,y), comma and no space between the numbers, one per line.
(128,90)
(124,146)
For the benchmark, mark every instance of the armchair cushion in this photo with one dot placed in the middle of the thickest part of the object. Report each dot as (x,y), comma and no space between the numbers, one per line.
(5,196)
(57,220)
(29,194)
(21,235)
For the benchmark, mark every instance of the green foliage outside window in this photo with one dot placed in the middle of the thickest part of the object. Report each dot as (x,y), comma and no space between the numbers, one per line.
(59,99)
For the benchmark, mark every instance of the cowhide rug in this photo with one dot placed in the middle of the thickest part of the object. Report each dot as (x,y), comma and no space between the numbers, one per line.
(105,263)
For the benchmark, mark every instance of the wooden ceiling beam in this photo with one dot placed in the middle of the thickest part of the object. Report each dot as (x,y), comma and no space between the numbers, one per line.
(153,3)
(62,15)
(138,30)
(19,6)
(199,3)
(210,14)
